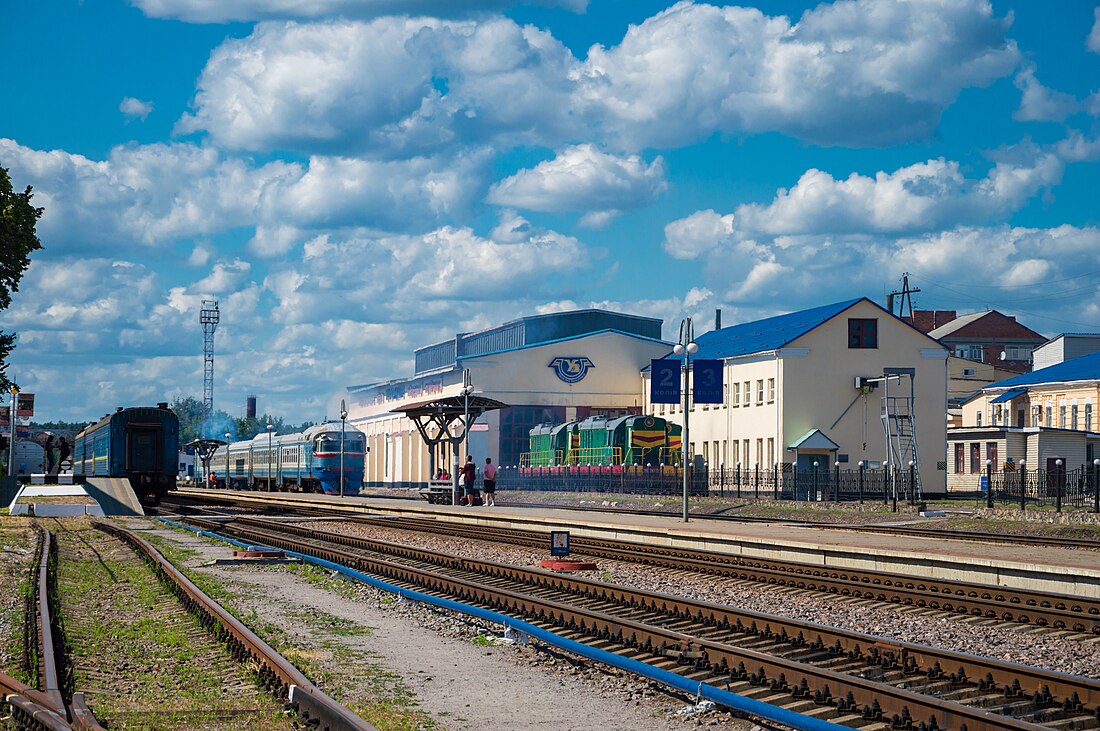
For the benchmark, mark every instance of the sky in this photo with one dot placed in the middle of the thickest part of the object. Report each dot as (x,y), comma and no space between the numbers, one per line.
(351,183)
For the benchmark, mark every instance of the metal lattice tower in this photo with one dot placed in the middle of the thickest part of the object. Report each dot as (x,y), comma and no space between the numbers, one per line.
(899,420)
(209,318)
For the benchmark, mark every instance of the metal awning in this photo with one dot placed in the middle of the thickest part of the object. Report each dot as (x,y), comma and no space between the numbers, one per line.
(1009,395)
(814,439)
(444,419)
(452,405)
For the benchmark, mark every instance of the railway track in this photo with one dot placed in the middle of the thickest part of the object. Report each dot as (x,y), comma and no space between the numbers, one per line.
(1058,611)
(845,677)
(45,707)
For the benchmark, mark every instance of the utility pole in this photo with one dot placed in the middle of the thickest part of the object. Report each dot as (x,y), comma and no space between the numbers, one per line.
(209,317)
(906,301)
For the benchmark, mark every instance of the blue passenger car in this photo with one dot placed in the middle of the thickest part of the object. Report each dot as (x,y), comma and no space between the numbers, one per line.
(308,461)
(140,444)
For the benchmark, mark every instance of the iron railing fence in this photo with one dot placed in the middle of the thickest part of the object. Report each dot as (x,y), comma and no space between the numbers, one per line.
(600,478)
(1078,488)
(784,482)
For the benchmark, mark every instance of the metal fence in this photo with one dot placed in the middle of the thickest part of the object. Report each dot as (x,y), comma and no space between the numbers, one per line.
(780,482)
(1078,488)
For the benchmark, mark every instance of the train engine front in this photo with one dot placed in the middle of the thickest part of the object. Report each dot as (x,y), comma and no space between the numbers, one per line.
(325,440)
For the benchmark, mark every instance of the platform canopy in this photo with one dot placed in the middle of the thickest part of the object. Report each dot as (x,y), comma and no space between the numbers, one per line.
(442,412)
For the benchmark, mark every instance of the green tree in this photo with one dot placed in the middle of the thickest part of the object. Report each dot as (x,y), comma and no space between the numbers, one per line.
(189,411)
(17,240)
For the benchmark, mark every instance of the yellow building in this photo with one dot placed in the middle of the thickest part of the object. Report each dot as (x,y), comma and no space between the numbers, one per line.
(791,393)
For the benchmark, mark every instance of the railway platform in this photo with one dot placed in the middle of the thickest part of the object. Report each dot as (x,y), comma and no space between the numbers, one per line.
(1050,569)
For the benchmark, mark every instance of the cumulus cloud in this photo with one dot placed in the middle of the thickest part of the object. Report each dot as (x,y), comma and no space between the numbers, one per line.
(583,178)
(135,108)
(218,11)
(147,195)
(1093,41)
(854,73)
(1041,104)
(928,196)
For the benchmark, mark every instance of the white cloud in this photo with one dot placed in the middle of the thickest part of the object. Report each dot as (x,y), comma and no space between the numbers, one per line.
(702,231)
(135,108)
(1041,104)
(219,11)
(200,255)
(857,73)
(225,277)
(1093,41)
(583,178)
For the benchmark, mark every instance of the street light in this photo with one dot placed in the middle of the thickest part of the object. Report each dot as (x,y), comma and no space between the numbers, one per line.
(227,460)
(1023,484)
(270,429)
(1096,486)
(686,347)
(343,418)
(989,483)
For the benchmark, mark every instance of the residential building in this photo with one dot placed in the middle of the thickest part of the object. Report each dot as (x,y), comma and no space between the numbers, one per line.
(791,394)
(988,337)
(964,378)
(549,368)
(1066,347)
(1039,417)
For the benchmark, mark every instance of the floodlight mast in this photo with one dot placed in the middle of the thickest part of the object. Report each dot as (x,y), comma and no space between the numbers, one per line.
(209,316)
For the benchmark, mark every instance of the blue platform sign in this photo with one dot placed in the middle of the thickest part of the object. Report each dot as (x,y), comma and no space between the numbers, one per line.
(984,483)
(706,381)
(664,381)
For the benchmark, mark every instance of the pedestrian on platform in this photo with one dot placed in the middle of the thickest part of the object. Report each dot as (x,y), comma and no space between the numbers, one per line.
(213,479)
(63,451)
(469,475)
(49,453)
(490,479)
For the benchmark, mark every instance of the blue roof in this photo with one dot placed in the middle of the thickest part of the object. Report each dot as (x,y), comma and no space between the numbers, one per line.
(1009,395)
(1085,368)
(770,334)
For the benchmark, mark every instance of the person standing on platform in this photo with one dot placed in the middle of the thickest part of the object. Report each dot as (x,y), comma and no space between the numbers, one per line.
(469,474)
(490,478)
(63,451)
(49,453)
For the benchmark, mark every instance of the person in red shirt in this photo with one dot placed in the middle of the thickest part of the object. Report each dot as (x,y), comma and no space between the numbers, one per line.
(469,475)
(489,477)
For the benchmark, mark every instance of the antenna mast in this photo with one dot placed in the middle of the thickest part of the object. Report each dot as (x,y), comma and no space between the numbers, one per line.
(906,298)
(209,318)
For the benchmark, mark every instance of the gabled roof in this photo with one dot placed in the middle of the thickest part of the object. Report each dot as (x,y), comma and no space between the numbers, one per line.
(996,325)
(1085,368)
(814,439)
(769,334)
(957,324)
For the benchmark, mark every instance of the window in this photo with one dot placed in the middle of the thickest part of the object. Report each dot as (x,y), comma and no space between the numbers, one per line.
(1088,416)
(1017,352)
(970,371)
(745,451)
(717,455)
(748,392)
(1073,416)
(759,451)
(970,352)
(975,458)
(771,450)
(996,414)
(991,453)
(759,392)
(1035,415)
(1062,415)
(706,452)
(735,458)
(862,333)
(737,394)
(979,417)
(960,458)
(1050,415)
(771,390)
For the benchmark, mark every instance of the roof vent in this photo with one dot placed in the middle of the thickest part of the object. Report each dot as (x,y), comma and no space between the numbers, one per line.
(118,409)
(162,404)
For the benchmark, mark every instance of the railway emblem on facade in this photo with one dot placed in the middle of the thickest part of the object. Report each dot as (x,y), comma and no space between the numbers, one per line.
(572,368)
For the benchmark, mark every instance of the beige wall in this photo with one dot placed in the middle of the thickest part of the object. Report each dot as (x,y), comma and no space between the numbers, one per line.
(1056,395)
(522,377)
(815,384)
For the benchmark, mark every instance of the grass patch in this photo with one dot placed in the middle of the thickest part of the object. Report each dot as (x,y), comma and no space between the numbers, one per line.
(482,641)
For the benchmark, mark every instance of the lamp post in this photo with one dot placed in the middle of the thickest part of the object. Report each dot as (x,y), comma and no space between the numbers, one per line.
(686,347)
(1023,485)
(861,465)
(270,429)
(11,435)
(343,419)
(1058,485)
(227,460)
(989,483)
(885,481)
(1096,486)
(817,496)
(910,492)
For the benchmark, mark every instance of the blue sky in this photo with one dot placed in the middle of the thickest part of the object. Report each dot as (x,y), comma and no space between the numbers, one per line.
(352,184)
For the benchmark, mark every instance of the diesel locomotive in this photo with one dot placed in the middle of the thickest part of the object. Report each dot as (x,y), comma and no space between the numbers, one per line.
(140,444)
(307,461)
(639,440)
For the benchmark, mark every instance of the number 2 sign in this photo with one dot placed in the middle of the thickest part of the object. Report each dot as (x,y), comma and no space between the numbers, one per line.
(664,381)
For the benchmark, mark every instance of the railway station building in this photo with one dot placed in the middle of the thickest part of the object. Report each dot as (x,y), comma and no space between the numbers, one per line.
(810,387)
(548,368)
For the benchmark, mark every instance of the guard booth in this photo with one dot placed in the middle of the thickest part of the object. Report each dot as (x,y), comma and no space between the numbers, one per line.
(446,420)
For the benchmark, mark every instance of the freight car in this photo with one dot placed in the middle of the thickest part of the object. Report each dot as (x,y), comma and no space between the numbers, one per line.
(140,444)
(307,461)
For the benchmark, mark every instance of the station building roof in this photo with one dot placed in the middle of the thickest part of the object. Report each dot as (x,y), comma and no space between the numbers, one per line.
(768,334)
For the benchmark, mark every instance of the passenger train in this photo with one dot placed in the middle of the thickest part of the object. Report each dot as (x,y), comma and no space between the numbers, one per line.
(139,444)
(308,461)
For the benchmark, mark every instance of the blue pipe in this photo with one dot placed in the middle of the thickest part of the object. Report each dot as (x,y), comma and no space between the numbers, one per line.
(710,692)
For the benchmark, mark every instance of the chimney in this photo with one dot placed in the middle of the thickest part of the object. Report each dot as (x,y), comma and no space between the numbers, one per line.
(718,318)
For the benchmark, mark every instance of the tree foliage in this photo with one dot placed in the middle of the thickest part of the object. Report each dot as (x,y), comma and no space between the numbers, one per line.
(189,411)
(18,239)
